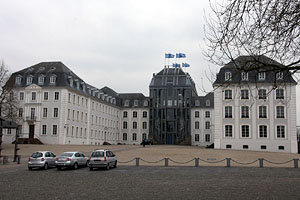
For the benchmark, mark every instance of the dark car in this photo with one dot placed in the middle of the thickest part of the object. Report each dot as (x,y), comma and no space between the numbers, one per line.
(147,142)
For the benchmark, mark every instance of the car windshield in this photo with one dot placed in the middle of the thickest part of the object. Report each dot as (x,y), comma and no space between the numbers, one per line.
(98,154)
(67,154)
(37,155)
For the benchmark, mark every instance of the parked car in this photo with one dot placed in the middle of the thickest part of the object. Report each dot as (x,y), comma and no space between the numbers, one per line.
(71,159)
(41,159)
(102,158)
(147,142)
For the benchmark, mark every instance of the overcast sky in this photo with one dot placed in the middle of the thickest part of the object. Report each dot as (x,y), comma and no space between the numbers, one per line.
(114,43)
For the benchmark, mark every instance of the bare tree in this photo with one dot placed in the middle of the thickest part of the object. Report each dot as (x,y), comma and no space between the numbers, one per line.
(255,28)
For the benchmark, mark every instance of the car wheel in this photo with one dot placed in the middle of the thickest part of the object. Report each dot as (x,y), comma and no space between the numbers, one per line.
(46,166)
(115,165)
(91,169)
(75,166)
(29,168)
(107,166)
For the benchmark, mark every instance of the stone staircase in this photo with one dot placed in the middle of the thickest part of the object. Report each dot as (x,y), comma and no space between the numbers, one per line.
(28,141)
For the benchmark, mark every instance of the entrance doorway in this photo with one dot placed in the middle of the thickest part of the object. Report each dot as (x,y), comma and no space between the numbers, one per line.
(169,139)
(31,131)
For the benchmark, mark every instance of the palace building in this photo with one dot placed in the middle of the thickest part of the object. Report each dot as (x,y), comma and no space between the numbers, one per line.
(243,112)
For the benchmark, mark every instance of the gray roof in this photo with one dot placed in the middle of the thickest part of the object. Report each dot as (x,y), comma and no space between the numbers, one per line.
(202,101)
(131,97)
(253,65)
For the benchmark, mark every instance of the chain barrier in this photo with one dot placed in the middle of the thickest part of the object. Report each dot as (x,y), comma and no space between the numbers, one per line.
(276,163)
(181,162)
(212,161)
(151,162)
(125,162)
(249,163)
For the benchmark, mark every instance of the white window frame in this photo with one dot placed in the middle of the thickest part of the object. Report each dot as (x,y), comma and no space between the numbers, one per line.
(261,76)
(54,96)
(279,94)
(264,96)
(281,113)
(249,131)
(228,94)
(44,96)
(134,137)
(55,114)
(258,112)
(29,79)
(228,76)
(228,111)
(43,114)
(22,97)
(197,125)
(245,114)
(42,131)
(197,137)
(197,114)
(19,80)
(279,75)
(52,132)
(41,80)
(258,131)
(244,76)
(244,94)
(232,131)
(284,129)
(207,114)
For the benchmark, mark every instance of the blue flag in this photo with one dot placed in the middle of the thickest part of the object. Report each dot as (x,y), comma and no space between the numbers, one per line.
(169,55)
(176,65)
(180,55)
(185,65)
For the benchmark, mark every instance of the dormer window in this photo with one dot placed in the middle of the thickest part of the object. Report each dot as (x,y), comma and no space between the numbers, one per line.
(41,80)
(136,102)
(83,86)
(52,79)
(77,84)
(244,76)
(228,76)
(261,76)
(207,102)
(197,103)
(29,79)
(71,82)
(126,103)
(279,75)
(18,80)
(145,103)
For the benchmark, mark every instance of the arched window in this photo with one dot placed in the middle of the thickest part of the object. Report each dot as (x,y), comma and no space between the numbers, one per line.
(18,80)
(124,125)
(29,79)
(144,114)
(125,136)
(144,136)
(134,114)
(41,79)
(134,136)
(196,114)
(52,79)
(125,114)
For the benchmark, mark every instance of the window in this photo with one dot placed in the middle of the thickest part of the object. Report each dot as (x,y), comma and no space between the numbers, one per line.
(134,136)
(125,136)
(46,96)
(262,94)
(125,114)
(228,146)
(145,103)
(136,102)
(262,112)
(134,114)
(207,137)
(45,112)
(170,103)
(227,76)
(228,94)
(20,112)
(124,125)
(134,125)
(18,80)
(144,114)
(280,147)
(44,129)
(280,131)
(245,112)
(29,80)
(8,131)
(196,137)
(207,102)
(197,124)
(41,80)
(279,75)
(21,96)
(228,130)
(244,76)
(263,147)
(280,111)
(144,125)
(279,93)
(207,125)
(244,94)
(144,136)
(32,113)
(33,96)
(245,146)
(228,112)
(261,76)
(197,114)
(197,103)
(56,96)
(263,131)
(245,131)
(55,112)
(207,114)
(54,130)
(126,103)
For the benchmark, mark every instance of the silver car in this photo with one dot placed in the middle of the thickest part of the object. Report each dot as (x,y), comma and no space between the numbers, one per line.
(102,158)
(71,159)
(41,159)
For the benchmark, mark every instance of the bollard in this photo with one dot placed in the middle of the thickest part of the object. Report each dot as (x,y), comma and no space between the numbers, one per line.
(261,162)
(18,159)
(137,161)
(196,162)
(228,161)
(5,160)
(166,162)
(296,162)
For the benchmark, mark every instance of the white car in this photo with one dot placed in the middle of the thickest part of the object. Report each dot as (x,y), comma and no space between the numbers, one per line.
(102,158)
(41,159)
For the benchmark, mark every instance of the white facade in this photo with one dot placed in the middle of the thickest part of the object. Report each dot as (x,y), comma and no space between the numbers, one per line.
(255,122)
